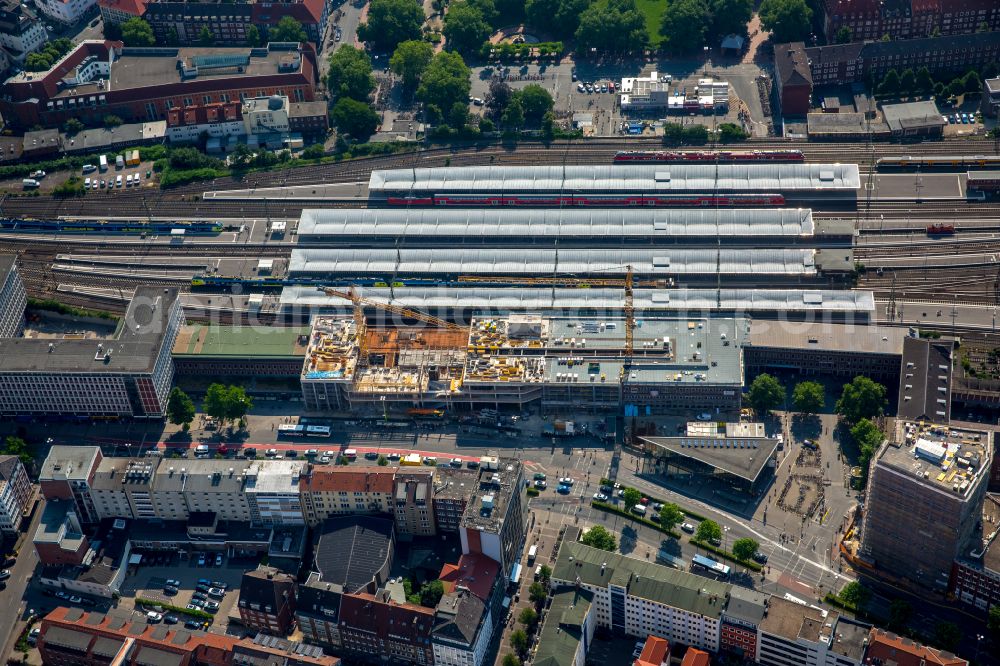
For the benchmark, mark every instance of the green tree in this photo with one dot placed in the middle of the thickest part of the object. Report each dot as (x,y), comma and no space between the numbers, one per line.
(730,17)
(136,32)
(548,126)
(844,35)
(908,81)
(993,621)
(947,636)
(685,24)
(458,115)
(808,397)
(560,18)
(890,84)
(288,30)
(431,593)
(15,446)
(465,28)
(787,20)
(868,437)
(855,594)
(354,118)
(410,60)
(382,461)
(226,403)
(599,537)
(615,26)
(670,515)
(111,121)
(956,87)
(519,641)
(71,187)
(732,133)
(545,574)
(253,36)
(73,126)
(971,82)
(708,530)
(513,115)
(745,548)
(445,80)
(861,399)
(180,408)
(924,80)
(535,100)
(537,593)
(487,8)
(765,393)
(528,617)
(511,659)
(900,612)
(112,31)
(205,37)
(498,97)
(350,74)
(391,22)
(631,497)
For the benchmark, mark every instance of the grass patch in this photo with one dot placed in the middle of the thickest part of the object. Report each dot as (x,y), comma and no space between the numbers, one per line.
(725,554)
(652,11)
(610,508)
(51,305)
(199,614)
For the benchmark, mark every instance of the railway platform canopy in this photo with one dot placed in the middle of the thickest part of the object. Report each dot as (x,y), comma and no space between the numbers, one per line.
(854,305)
(448,263)
(700,178)
(425,225)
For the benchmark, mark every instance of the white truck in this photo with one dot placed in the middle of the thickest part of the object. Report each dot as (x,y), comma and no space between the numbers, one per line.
(103,163)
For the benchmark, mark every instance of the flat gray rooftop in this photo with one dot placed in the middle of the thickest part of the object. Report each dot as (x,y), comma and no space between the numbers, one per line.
(827,336)
(949,459)
(566,223)
(700,178)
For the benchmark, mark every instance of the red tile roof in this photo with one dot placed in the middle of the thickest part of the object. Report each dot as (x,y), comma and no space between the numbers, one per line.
(133,7)
(695,657)
(473,571)
(368,612)
(900,651)
(349,479)
(654,652)
(204,114)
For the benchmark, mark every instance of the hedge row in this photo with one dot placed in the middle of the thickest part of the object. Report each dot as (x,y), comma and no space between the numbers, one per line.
(200,614)
(611,508)
(725,554)
(689,514)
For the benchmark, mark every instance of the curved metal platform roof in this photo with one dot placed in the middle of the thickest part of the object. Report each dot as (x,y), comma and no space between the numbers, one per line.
(539,222)
(701,178)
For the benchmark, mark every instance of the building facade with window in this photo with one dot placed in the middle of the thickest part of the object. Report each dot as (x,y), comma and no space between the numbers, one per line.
(267,601)
(13,298)
(339,491)
(15,493)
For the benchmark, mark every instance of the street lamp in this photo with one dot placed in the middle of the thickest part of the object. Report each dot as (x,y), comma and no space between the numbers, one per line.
(725,538)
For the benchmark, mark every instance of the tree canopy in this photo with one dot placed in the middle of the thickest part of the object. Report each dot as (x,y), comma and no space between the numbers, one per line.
(559,18)
(708,530)
(861,399)
(287,30)
(615,26)
(15,446)
(391,22)
(350,74)
(445,81)
(355,118)
(631,497)
(787,20)
(180,408)
(685,24)
(431,593)
(410,60)
(670,515)
(465,28)
(226,403)
(536,101)
(599,537)
(868,438)
(808,397)
(855,594)
(137,32)
(765,393)
(519,641)
(745,548)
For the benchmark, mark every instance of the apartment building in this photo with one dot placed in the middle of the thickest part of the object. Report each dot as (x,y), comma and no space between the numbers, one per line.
(452,490)
(65,11)
(569,629)
(925,380)
(12,298)
(118,11)
(20,34)
(905,19)
(885,648)
(338,490)
(67,475)
(272,492)
(267,601)
(495,519)
(99,78)
(375,627)
(215,120)
(59,539)
(123,488)
(793,78)
(127,375)
(741,620)
(413,491)
(182,487)
(317,611)
(926,485)
(975,575)
(793,633)
(15,493)
(177,22)
(468,614)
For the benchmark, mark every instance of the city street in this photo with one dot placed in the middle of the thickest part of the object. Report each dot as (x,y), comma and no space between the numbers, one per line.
(13,600)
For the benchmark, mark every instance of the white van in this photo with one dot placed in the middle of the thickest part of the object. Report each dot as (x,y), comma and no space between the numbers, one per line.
(119,162)
(103,163)
(639,510)
(86,184)
(118,181)
(201,450)
(89,168)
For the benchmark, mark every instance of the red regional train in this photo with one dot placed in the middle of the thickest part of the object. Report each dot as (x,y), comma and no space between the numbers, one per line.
(610,200)
(940,229)
(699,156)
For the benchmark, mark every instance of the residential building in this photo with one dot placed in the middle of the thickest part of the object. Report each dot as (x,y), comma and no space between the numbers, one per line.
(925,382)
(127,375)
(905,19)
(888,649)
(793,633)
(569,628)
(272,492)
(67,475)
(99,78)
(412,498)
(65,11)
(926,484)
(794,78)
(74,637)
(20,34)
(857,62)
(59,537)
(914,119)
(98,567)
(215,120)
(266,115)
(495,520)
(317,611)
(337,491)
(12,298)
(267,601)
(655,652)
(452,490)
(176,22)
(991,97)
(308,118)
(123,487)
(640,598)
(975,575)
(212,490)
(696,657)
(376,627)
(741,620)
(468,614)
(118,11)
(15,493)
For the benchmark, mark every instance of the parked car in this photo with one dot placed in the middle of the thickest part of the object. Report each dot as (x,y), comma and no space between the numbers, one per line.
(37,175)
(216,592)
(311,453)
(33,635)
(704,416)
(250,452)
(170,590)
(600,497)
(270,453)
(191,624)
(456,462)
(687,527)
(173,581)
(170,619)
(201,559)
(193,606)
(206,582)
(197,603)
(5,574)
(566,481)
(211,606)
(541,485)
(539,476)
(218,560)
(291,453)
(75,600)
(219,584)
(153,616)
(200,596)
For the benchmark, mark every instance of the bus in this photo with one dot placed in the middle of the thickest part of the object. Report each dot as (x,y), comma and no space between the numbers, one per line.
(709,568)
(317,431)
(351,454)
(287,430)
